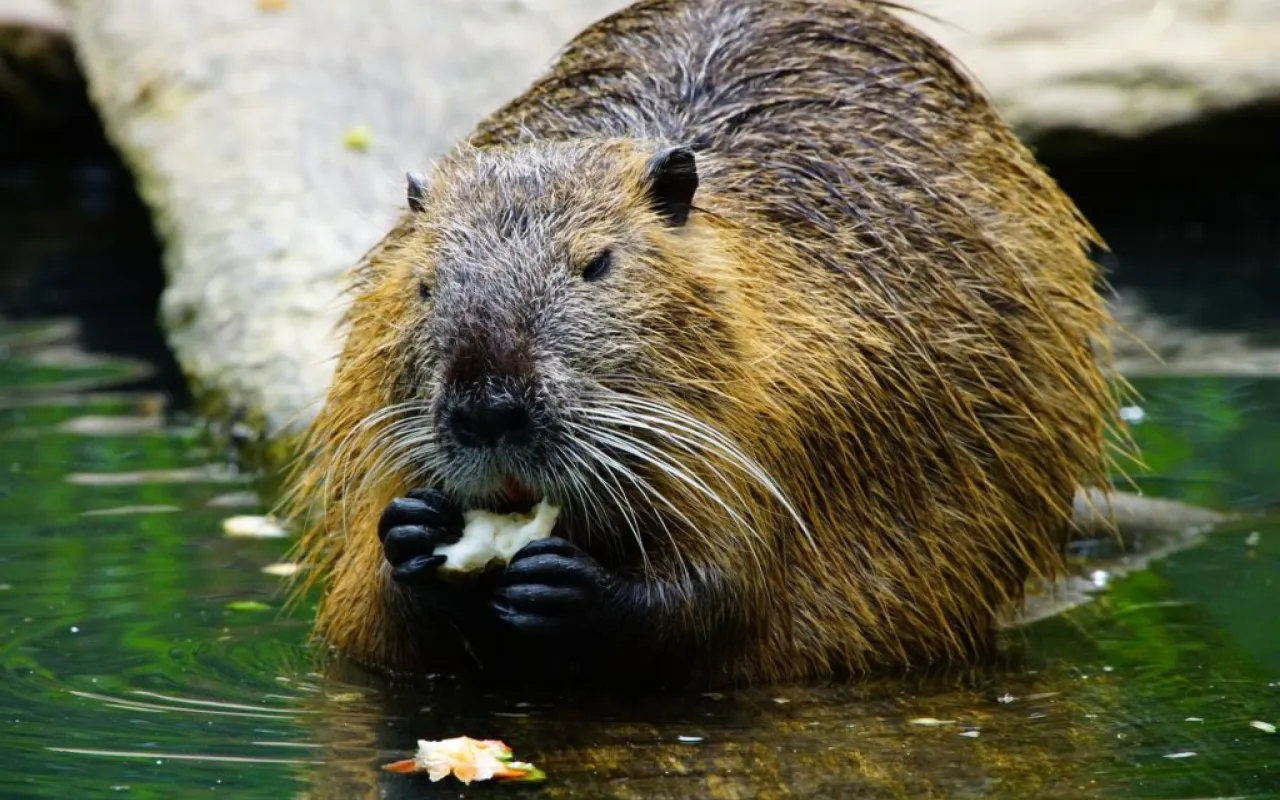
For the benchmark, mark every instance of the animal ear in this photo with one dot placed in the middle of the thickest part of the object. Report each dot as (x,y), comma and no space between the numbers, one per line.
(673,179)
(417,191)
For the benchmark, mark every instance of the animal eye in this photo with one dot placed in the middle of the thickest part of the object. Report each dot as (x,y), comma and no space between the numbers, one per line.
(599,266)
(424,290)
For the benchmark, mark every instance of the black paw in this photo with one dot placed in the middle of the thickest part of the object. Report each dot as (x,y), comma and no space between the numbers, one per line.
(552,587)
(413,526)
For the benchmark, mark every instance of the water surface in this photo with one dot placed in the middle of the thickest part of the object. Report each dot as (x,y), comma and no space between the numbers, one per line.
(145,653)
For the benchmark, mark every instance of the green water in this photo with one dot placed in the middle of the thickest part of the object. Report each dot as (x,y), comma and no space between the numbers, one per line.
(131,667)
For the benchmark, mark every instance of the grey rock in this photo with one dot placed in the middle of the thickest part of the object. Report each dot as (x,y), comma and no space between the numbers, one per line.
(32,14)
(1124,67)
(234,120)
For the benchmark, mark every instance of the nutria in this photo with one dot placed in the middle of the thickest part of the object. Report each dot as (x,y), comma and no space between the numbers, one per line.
(771,302)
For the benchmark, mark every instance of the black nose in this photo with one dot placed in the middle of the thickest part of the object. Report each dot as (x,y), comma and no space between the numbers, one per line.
(486,423)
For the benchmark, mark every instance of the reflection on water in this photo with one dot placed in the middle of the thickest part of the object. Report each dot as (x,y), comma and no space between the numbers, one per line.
(146,653)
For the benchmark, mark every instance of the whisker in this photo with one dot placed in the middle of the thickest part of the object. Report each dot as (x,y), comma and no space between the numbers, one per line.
(619,496)
(615,466)
(690,446)
(664,416)
(341,465)
(650,455)
(592,505)
(687,448)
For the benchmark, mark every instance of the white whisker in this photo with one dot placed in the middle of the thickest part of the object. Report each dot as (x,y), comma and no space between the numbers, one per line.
(653,457)
(661,419)
(615,466)
(344,466)
(619,495)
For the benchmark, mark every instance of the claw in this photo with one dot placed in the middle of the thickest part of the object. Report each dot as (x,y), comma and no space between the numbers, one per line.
(551,586)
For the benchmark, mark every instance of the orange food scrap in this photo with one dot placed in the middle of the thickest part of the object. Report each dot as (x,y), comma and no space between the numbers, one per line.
(467,760)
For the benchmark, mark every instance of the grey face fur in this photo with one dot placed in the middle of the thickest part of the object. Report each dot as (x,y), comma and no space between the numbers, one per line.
(540,258)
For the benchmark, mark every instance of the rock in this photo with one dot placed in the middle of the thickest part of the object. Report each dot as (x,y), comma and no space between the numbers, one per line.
(35,62)
(1124,67)
(270,139)
(236,117)
(43,15)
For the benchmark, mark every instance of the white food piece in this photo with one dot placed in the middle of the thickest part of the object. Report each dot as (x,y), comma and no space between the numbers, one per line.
(254,527)
(488,537)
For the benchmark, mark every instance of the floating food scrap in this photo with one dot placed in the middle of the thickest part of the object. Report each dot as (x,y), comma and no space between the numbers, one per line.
(252,526)
(284,569)
(468,760)
(930,722)
(235,500)
(101,425)
(358,137)
(247,605)
(1265,727)
(120,511)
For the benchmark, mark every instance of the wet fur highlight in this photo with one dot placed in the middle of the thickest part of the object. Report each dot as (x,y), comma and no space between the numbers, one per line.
(837,417)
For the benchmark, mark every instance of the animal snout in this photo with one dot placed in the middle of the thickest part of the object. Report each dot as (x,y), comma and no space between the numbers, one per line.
(490,421)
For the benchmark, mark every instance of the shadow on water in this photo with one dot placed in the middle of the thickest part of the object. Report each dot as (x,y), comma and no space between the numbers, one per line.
(146,653)
(1189,213)
(76,242)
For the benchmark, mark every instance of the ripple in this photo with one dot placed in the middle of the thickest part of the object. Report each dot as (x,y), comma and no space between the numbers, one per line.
(154,755)
(205,473)
(124,665)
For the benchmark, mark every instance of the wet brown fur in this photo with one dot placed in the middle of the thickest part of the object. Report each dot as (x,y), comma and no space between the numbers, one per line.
(880,297)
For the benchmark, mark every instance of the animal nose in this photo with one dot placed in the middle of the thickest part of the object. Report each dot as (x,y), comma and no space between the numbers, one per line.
(486,423)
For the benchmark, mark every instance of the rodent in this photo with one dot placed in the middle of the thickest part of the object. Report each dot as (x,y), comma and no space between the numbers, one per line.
(769,299)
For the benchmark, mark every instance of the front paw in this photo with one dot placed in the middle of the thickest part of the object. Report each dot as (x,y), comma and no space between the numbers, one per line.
(552,587)
(411,528)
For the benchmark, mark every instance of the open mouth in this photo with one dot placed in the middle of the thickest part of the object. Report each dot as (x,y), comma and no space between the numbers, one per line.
(516,498)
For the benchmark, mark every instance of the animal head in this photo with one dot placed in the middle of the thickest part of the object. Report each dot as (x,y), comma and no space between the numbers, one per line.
(558,291)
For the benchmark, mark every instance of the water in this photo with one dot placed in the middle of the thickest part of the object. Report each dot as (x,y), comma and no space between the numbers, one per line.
(132,666)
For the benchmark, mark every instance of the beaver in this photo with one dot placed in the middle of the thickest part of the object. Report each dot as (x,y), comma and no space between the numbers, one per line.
(766,297)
